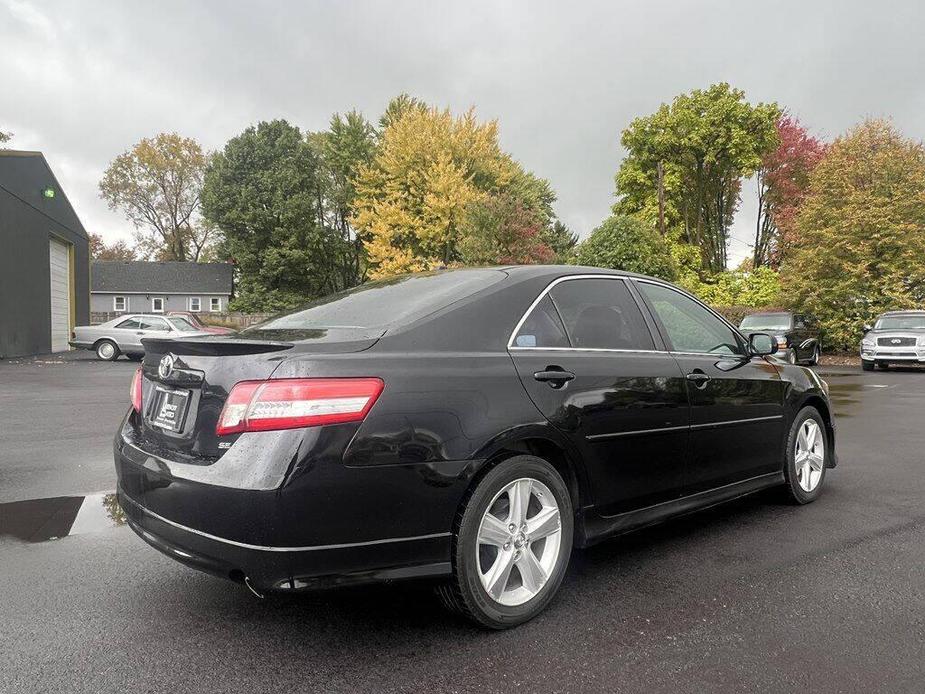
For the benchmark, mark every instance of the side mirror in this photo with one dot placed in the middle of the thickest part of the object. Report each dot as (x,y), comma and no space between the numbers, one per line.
(762,344)
(866,328)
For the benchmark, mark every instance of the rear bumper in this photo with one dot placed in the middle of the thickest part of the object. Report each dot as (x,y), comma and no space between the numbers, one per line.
(291,568)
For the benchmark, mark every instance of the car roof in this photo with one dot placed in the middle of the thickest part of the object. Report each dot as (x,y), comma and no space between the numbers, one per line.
(770,313)
(907,312)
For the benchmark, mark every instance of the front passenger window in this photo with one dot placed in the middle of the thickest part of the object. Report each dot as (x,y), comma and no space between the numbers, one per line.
(691,327)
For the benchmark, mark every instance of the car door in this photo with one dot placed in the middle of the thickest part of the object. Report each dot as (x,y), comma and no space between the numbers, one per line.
(597,370)
(128,334)
(736,399)
(153,326)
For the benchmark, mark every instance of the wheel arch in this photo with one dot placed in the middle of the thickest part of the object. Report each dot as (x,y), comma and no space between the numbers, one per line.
(817,401)
(544,444)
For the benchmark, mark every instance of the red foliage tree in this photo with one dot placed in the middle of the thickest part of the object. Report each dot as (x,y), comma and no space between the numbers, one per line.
(783,180)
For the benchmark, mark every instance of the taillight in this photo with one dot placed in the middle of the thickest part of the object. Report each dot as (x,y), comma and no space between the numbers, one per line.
(292,403)
(136,390)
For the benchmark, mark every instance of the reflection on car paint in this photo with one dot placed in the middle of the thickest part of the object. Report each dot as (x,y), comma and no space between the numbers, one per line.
(38,520)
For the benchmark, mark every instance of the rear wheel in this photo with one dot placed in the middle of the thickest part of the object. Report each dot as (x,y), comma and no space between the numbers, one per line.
(107,350)
(792,356)
(512,544)
(807,452)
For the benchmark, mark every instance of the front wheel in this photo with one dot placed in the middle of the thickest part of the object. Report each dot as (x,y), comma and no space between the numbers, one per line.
(807,451)
(107,350)
(867,365)
(512,544)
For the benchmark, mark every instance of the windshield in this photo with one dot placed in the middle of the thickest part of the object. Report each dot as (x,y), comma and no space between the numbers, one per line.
(900,323)
(383,303)
(766,321)
(182,324)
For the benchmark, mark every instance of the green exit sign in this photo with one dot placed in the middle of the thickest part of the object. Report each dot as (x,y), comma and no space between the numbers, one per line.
(48,192)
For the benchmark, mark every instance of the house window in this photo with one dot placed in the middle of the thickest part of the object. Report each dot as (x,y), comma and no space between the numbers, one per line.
(215,303)
(157,304)
(194,304)
(119,304)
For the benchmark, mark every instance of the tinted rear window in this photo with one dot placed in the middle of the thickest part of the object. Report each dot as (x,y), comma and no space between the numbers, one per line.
(378,305)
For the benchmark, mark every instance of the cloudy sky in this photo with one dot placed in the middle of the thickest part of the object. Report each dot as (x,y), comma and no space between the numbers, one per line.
(83,81)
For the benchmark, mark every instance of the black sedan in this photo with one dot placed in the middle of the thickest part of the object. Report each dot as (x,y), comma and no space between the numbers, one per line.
(469,426)
(796,334)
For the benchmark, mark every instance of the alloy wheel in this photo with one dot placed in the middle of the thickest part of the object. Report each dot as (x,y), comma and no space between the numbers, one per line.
(519,541)
(106,350)
(809,456)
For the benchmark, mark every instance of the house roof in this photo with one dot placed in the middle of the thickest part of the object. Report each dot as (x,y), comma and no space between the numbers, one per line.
(24,175)
(142,277)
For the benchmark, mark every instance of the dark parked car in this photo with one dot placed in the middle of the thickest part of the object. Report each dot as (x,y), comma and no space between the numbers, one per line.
(469,426)
(897,337)
(796,334)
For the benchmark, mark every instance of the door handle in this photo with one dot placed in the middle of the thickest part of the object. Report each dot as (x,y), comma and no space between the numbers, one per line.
(698,378)
(555,376)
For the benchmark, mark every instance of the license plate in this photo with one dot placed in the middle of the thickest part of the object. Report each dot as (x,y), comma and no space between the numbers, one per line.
(170,408)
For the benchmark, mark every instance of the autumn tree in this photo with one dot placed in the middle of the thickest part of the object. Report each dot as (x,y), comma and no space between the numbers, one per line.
(119,250)
(157,186)
(501,230)
(860,232)
(782,181)
(685,164)
(432,170)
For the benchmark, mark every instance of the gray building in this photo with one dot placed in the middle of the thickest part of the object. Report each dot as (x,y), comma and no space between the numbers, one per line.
(159,287)
(44,259)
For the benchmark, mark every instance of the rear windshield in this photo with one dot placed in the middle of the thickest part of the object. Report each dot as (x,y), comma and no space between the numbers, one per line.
(380,304)
(900,323)
(766,321)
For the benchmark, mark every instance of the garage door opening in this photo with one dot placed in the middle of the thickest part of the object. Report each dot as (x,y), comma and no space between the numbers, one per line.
(59,265)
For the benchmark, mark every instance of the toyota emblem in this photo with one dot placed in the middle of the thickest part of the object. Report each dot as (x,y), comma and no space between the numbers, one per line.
(165,368)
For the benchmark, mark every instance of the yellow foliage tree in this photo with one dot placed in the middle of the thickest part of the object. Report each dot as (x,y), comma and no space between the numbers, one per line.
(412,199)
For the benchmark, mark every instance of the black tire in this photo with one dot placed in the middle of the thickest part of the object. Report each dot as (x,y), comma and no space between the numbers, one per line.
(792,356)
(103,351)
(867,365)
(135,357)
(794,492)
(464,592)
(883,365)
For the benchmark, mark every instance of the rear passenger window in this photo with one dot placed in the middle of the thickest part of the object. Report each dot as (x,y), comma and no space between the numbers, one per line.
(601,314)
(130,324)
(543,327)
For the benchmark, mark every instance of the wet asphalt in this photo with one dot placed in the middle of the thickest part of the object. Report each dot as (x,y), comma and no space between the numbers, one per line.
(755,595)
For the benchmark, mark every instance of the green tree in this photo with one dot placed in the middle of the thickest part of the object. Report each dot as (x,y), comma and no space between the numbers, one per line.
(624,242)
(347,145)
(860,232)
(5,137)
(685,164)
(758,287)
(157,185)
(561,240)
(263,191)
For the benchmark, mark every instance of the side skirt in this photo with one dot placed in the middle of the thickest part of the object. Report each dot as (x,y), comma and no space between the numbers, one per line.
(596,528)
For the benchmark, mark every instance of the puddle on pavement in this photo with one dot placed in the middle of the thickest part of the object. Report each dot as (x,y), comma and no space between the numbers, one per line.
(38,520)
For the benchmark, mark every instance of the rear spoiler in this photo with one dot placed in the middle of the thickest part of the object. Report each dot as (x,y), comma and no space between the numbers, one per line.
(214,345)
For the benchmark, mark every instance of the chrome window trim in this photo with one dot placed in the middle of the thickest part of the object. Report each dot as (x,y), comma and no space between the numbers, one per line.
(672,287)
(538,299)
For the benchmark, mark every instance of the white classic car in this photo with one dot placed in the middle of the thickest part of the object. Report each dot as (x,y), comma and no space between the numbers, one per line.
(123,335)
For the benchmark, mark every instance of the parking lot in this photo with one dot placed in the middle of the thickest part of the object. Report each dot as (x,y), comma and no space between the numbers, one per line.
(752,596)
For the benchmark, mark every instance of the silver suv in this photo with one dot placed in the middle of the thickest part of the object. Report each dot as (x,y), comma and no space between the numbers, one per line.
(897,337)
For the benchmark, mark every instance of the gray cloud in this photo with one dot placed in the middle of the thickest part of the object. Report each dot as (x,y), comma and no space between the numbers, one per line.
(83,81)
